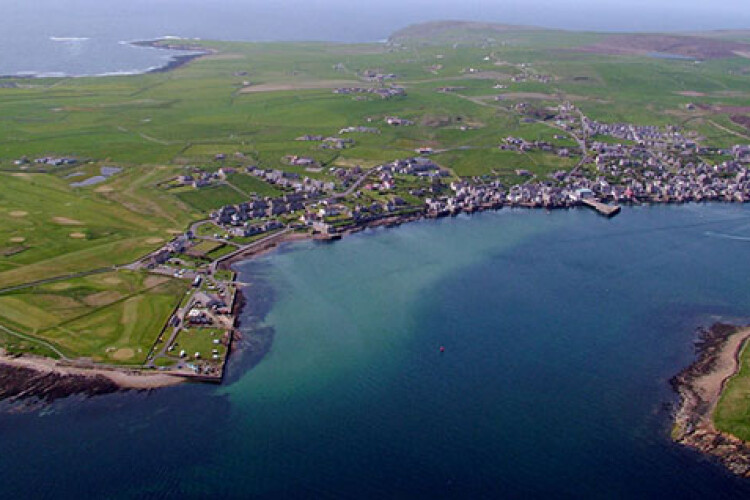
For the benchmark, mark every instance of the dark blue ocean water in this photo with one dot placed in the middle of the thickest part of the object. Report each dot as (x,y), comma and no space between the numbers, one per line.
(85,37)
(561,331)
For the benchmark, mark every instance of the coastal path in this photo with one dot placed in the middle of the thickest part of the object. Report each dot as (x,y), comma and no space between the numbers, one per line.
(245,248)
(35,340)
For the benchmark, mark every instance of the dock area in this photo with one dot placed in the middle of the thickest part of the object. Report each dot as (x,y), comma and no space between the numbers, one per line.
(602,208)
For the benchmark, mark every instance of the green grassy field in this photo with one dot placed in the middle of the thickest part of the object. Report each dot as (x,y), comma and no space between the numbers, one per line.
(49,229)
(109,317)
(199,340)
(732,413)
(252,185)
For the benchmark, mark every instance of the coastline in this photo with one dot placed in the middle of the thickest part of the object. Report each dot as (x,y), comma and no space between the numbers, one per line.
(46,379)
(175,61)
(257,251)
(29,377)
(20,376)
(700,386)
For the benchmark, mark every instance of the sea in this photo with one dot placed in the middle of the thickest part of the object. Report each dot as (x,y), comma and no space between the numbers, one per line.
(91,37)
(560,331)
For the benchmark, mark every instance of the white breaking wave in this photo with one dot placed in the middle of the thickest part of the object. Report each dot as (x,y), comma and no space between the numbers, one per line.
(45,74)
(119,73)
(69,39)
(727,236)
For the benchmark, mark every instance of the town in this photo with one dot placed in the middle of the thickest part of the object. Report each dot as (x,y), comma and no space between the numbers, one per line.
(650,165)
(637,165)
(607,165)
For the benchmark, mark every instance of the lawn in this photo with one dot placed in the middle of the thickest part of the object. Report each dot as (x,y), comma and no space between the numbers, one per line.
(493,161)
(48,229)
(109,317)
(252,185)
(199,340)
(211,197)
(204,247)
(732,413)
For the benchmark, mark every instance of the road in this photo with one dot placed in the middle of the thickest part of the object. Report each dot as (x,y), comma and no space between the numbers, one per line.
(580,140)
(245,248)
(60,278)
(35,340)
(172,336)
(353,187)
(728,130)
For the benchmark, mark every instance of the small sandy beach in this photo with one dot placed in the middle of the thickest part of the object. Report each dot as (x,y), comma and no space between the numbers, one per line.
(700,386)
(121,377)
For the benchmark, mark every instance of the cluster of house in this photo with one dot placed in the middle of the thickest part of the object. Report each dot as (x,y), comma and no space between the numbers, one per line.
(656,165)
(327,142)
(317,213)
(291,180)
(376,76)
(320,220)
(445,90)
(467,197)
(671,176)
(199,178)
(237,215)
(653,165)
(198,317)
(382,92)
(419,166)
(398,122)
(656,177)
(55,161)
(511,143)
(359,129)
(300,161)
(178,245)
(741,153)
(644,135)
(530,77)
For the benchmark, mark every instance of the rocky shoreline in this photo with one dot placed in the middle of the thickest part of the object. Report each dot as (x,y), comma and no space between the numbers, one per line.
(700,385)
(177,60)
(20,383)
(32,379)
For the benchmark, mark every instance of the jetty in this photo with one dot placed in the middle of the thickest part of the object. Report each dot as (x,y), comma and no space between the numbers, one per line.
(602,208)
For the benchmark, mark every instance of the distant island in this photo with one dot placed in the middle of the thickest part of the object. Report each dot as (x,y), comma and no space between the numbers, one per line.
(127,199)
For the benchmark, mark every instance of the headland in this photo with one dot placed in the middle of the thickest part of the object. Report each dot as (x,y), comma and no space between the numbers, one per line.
(700,387)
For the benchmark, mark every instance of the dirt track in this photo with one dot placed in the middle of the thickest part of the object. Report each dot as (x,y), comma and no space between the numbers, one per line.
(309,85)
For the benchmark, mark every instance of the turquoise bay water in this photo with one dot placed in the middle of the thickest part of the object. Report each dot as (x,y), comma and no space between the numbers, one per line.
(561,331)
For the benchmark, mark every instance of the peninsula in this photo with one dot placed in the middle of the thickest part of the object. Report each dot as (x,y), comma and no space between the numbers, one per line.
(715,376)
(126,199)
